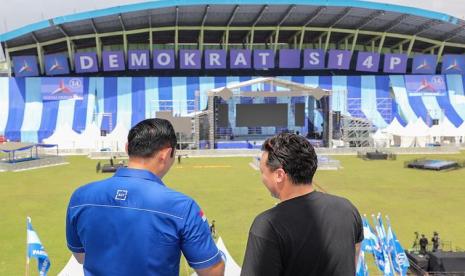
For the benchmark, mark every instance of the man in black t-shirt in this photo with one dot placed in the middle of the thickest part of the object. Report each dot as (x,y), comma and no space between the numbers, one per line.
(308,232)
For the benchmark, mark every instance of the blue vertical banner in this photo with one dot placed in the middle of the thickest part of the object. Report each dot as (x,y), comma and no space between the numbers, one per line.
(36,250)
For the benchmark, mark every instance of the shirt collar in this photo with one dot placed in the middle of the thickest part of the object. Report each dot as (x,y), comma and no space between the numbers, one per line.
(137,173)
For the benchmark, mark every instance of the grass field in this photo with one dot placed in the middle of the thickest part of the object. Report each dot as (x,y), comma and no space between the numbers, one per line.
(230,192)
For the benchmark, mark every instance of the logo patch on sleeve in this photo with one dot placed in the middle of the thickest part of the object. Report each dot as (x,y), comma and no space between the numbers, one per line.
(121,194)
(203,216)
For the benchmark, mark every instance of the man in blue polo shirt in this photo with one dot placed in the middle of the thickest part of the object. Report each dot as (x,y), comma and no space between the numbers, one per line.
(132,224)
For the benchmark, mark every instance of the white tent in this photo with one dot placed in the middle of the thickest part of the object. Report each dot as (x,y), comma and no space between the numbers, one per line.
(65,137)
(90,138)
(117,139)
(415,134)
(394,128)
(445,129)
(380,139)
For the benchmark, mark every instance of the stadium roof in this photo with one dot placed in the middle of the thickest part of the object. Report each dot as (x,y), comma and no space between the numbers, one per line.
(350,24)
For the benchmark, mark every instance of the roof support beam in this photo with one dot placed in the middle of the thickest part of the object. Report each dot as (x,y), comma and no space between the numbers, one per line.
(252,30)
(369,19)
(40,53)
(70,47)
(430,49)
(364,23)
(150,36)
(410,46)
(125,37)
(93,26)
(340,17)
(381,43)
(283,19)
(98,46)
(328,37)
(441,50)
(8,60)
(396,22)
(302,35)
(377,36)
(354,41)
(310,19)
(226,33)
(453,34)
(204,19)
(176,32)
(391,25)
(426,26)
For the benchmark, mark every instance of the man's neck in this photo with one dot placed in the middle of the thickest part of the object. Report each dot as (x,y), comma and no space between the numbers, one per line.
(142,164)
(295,190)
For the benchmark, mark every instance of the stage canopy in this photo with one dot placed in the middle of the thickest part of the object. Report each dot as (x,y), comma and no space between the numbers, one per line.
(268,87)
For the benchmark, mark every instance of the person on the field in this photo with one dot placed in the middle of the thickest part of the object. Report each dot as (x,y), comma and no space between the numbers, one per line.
(132,223)
(213,229)
(415,241)
(308,232)
(423,244)
(435,240)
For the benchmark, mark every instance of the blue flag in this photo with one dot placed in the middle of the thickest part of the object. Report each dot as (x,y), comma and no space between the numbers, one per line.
(396,252)
(362,268)
(35,249)
(388,271)
(371,244)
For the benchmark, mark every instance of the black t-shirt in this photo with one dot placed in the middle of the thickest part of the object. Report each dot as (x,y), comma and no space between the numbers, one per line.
(313,234)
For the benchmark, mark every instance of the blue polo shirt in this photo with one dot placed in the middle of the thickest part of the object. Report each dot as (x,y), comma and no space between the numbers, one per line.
(132,224)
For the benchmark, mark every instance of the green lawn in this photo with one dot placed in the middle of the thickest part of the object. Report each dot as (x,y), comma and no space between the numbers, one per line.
(230,192)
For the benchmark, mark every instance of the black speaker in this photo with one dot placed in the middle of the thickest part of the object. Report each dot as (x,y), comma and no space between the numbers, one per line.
(336,118)
(435,122)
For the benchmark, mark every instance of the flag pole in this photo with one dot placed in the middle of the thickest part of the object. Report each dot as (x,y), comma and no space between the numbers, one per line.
(392,231)
(28,219)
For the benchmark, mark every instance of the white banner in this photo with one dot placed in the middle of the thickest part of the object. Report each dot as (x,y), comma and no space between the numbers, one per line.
(2,54)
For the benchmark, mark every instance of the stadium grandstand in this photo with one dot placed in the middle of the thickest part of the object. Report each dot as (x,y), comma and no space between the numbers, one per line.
(361,80)
(105,70)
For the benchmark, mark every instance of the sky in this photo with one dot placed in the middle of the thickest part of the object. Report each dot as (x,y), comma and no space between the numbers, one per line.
(18,13)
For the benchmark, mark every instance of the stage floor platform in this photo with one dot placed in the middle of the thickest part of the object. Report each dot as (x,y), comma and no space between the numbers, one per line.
(30,164)
(432,164)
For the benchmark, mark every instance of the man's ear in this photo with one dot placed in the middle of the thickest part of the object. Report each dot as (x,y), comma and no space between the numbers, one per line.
(280,175)
(126,148)
(165,153)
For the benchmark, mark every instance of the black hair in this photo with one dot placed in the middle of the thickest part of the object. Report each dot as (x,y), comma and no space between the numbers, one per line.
(149,136)
(294,154)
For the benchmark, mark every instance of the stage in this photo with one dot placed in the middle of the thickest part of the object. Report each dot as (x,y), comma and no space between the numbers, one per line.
(433,164)
(27,156)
